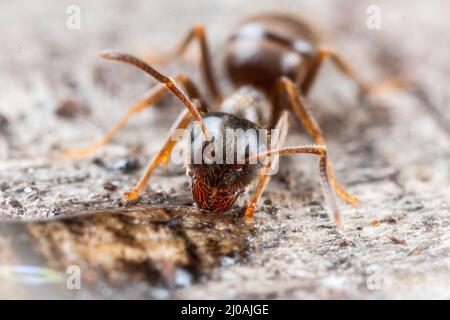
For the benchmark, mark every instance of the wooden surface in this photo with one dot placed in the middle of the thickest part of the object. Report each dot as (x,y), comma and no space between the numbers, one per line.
(391,151)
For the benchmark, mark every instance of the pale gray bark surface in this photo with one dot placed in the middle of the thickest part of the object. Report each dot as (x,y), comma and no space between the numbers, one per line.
(390,151)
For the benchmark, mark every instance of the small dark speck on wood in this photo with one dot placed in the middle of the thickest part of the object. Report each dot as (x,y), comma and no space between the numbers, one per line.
(15,203)
(71,108)
(110,186)
(396,240)
(126,165)
(4,123)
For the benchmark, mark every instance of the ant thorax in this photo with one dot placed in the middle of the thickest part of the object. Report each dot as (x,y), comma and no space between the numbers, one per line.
(248,103)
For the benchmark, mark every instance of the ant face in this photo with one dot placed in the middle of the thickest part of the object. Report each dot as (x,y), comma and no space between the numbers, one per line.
(218,169)
(216,187)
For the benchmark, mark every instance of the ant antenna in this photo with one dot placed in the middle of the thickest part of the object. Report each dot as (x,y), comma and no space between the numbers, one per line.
(168,82)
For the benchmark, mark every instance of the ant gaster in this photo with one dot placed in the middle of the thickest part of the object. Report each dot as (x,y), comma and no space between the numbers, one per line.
(272,60)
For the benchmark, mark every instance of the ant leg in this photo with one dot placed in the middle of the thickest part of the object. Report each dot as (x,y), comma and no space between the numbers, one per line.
(163,156)
(155,95)
(170,83)
(264,177)
(301,109)
(324,172)
(198,33)
(263,180)
(380,87)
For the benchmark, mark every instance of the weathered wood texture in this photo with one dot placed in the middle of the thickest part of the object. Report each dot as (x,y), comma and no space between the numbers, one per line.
(392,151)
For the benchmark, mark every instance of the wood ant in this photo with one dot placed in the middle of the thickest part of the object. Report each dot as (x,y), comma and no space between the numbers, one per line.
(272,60)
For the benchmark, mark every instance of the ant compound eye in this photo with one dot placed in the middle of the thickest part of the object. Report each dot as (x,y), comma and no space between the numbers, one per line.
(209,154)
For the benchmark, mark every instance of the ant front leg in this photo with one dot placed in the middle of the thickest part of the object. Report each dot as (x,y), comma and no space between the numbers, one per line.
(323,168)
(264,176)
(163,156)
(196,33)
(156,95)
(380,87)
(301,109)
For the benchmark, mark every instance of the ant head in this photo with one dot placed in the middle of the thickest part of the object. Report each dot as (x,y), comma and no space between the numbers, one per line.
(219,169)
(217,187)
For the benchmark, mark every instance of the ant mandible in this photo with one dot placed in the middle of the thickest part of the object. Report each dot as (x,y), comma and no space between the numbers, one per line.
(269,58)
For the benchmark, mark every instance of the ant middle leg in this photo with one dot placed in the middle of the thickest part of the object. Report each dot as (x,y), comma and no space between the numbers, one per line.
(196,33)
(300,107)
(380,87)
(156,95)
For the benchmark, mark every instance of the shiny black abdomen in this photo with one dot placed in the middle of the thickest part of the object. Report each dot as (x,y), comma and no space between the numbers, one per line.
(267,47)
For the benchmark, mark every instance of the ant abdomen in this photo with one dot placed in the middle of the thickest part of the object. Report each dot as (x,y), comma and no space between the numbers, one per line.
(267,47)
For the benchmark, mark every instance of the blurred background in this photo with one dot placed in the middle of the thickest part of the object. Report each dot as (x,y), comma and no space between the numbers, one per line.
(392,151)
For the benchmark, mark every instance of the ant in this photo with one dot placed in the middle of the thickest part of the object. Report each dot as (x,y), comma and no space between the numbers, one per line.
(271,59)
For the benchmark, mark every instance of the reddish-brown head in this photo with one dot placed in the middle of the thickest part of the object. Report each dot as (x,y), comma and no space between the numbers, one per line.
(217,187)
(217,182)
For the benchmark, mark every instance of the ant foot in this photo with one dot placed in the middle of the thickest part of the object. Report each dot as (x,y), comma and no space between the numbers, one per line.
(249,212)
(132,195)
(76,153)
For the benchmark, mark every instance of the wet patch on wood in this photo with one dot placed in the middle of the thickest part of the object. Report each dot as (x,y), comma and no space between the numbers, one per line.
(145,252)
